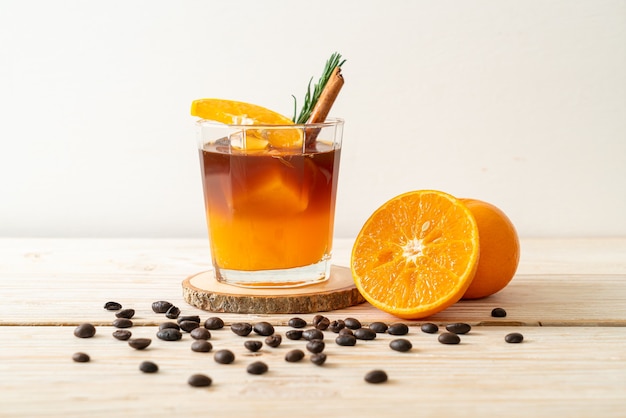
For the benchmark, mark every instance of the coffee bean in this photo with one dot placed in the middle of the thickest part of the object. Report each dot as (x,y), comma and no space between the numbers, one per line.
(449,338)
(398,328)
(214,323)
(365,334)
(139,343)
(459,328)
(345,340)
(188,326)
(346,331)
(169,334)
(172,325)
(297,323)
(376,376)
(514,338)
(85,331)
(498,313)
(241,328)
(199,380)
(429,328)
(337,325)
(122,334)
(352,323)
(201,346)
(274,340)
(112,306)
(224,356)
(161,306)
(321,322)
(401,345)
(173,312)
(294,355)
(192,318)
(379,327)
(263,328)
(312,334)
(80,357)
(318,358)
(258,367)
(253,345)
(148,367)
(122,323)
(125,313)
(315,346)
(294,334)
(200,334)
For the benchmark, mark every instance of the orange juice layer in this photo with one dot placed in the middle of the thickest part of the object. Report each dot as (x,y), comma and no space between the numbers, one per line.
(269,211)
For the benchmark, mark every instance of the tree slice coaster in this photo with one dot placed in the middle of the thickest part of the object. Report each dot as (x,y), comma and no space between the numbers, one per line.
(203,291)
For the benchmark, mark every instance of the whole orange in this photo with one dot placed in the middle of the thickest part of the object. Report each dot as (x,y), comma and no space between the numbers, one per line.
(499,250)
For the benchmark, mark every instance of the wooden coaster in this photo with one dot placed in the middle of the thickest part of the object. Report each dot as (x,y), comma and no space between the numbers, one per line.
(203,291)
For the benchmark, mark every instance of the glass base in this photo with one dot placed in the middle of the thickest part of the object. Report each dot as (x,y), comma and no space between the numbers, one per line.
(280,278)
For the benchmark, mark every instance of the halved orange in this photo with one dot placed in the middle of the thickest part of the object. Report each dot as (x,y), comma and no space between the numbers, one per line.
(242,113)
(416,254)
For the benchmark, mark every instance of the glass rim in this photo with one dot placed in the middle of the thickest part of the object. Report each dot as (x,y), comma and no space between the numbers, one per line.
(329,122)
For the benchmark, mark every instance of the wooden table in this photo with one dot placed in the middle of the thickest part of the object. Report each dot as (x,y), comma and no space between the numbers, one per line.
(568,300)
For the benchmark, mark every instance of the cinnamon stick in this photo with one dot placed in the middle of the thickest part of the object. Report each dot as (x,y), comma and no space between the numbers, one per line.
(324,103)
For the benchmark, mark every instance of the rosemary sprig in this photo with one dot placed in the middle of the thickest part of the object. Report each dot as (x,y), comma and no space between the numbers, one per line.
(311,97)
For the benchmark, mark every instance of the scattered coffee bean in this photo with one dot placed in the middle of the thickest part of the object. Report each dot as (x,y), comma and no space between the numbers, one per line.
(169,334)
(125,313)
(345,340)
(514,338)
(172,325)
(318,358)
(315,346)
(429,328)
(352,323)
(321,322)
(112,306)
(161,306)
(201,346)
(459,328)
(376,376)
(224,356)
(263,328)
(312,334)
(199,380)
(336,326)
(173,312)
(81,357)
(294,355)
(122,323)
(365,334)
(188,326)
(85,331)
(398,328)
(192,318)
(258,367)
(139,343)
(200,334)
(148,367)
(297,323)
(241,328)
(379,327)
(294,334)
(253,345)
(274,340)
(214,323)
(122,334)
(498,313)
(401,345)
(449,338)
(346,331)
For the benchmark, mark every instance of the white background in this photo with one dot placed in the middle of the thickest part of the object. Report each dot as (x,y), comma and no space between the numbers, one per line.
(520,103)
